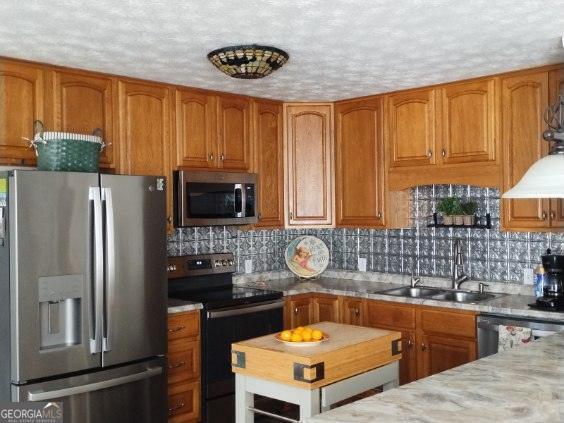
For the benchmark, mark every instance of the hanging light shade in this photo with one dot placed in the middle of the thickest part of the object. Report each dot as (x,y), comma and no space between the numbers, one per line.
(545,178)
(248,61)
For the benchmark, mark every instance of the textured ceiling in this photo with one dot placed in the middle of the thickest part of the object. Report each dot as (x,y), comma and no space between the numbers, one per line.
(338,48)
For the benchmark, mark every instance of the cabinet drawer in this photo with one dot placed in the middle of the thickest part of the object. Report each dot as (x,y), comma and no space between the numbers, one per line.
(184,402)
(184,325)
(183,360)
(447,322)
(394,315)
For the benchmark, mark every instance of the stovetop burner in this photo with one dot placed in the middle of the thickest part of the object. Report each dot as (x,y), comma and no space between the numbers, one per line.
(227,296)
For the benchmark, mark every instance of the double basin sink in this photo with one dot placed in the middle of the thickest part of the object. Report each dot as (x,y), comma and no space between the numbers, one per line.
(458,296)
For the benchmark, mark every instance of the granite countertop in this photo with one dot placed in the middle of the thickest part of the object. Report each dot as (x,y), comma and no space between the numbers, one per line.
(181,306)
(523,384)
(506,304)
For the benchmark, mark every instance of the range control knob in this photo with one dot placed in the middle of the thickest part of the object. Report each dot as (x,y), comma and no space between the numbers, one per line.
(217,263)
(224,263)
(171,268)
(231,263)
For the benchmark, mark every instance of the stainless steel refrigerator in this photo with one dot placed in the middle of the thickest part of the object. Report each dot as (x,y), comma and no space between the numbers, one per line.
(83,294)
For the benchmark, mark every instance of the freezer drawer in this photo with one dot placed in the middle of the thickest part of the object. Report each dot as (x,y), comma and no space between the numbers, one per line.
(134,393)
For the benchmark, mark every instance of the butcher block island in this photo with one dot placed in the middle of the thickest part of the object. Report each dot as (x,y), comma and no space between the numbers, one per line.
(351,360)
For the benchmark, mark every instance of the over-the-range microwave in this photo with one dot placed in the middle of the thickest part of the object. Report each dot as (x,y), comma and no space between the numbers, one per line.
(214,198)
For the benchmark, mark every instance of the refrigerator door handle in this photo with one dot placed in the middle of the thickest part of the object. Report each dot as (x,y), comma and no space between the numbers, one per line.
(98,270)
(110,263)
(96,386)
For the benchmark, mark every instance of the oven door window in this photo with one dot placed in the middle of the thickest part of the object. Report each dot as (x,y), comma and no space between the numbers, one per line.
(213,200)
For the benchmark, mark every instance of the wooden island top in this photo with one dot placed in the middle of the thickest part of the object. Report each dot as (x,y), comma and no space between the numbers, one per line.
(350,350)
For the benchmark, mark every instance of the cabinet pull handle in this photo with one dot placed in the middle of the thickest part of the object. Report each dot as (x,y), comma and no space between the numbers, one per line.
(296,310)
(210,158)
(552,215)
(291,215)
(176,329)
(177,365)
(379,215)
(429,153)
(443,152)
(221,157)
(543,215)
(177,407)
(356,312)
(423,346)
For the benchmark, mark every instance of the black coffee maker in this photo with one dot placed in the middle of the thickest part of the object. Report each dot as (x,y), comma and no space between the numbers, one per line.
(553,289)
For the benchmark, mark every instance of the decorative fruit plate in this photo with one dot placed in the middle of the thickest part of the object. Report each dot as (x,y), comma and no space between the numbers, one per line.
(302,344)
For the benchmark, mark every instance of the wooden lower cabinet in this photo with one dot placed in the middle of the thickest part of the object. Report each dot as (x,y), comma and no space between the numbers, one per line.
(433,339)
(298,311)
(351,311)
(325,308)
(184,367)
(439,353)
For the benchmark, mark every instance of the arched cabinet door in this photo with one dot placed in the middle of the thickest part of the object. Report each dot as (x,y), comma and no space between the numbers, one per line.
(411,128)
(524,99)
(234,132)
(196,136)
(82,103)
(359,162)
(21,102)
(309,164)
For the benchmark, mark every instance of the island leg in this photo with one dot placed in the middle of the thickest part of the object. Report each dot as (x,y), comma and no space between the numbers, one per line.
(243,400)
(309,403)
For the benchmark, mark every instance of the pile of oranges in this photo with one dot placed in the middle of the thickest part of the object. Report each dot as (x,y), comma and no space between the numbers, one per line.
(301,334)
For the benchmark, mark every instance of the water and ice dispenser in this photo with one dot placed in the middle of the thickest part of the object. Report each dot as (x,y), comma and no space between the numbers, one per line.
(60,314)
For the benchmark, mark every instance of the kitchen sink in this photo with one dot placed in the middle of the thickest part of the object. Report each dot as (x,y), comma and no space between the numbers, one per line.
(463,296)
(408,291)
(439,294)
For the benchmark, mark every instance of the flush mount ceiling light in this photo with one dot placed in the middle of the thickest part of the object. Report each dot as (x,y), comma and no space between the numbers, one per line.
(248,61)
(545,178)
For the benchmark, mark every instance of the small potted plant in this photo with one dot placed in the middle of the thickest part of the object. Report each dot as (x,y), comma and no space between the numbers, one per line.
(469,208)
(449,208)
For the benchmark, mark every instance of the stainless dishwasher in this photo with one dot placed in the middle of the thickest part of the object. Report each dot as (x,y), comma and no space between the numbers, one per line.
(488,330)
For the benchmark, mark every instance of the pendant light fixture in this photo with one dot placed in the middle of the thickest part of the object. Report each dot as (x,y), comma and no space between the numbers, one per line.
(251,61)
(545,178)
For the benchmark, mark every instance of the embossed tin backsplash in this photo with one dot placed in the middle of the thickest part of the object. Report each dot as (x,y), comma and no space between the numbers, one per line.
(490,254)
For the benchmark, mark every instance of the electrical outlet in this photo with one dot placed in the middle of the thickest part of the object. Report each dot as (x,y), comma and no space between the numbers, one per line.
(528,276)
(248,266)
(362,264)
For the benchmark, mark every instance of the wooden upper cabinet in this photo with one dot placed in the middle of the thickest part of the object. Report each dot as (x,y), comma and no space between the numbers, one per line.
(359,162)
(411,128)
(21,103)
(196,139)
(82,103)
(469,116)
(144,128)
(524,99)
(556,81)
(234,132)
(269,162)
(309,164)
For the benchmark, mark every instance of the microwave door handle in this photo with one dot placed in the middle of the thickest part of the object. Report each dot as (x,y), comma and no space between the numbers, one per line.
(110,264)
(238,203)
(97,266)
(244,200)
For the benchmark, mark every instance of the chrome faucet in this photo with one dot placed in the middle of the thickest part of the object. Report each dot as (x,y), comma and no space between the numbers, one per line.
(458,276)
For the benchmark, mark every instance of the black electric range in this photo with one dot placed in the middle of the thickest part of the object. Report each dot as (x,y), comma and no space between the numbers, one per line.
(230,314)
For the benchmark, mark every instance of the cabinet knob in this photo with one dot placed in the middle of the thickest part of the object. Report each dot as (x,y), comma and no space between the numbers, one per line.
(169,220)
(408,341)
(379,215)
(543,215)
(552,215)
(423,346)
(177,365)
(429,153)
(210,158)
(221,157)
(296,310)
(291,215)
(443,152)
(356,312)
(176,329)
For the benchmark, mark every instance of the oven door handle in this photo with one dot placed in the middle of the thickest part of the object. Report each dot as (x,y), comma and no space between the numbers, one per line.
(239,311)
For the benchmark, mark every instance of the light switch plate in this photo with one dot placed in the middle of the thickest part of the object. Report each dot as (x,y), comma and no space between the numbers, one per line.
(248,266)
(362,264)
(528,276)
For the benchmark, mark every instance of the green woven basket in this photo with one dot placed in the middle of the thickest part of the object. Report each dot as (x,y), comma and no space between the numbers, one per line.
(63,151)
